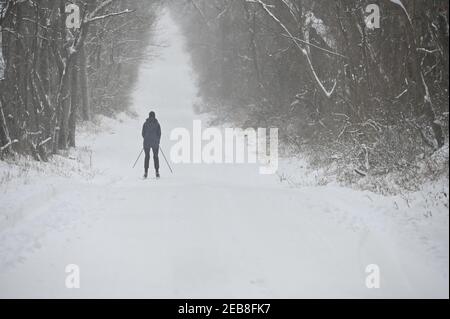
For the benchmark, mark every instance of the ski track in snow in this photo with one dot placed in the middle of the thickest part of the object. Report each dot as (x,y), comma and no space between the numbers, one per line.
(207,231)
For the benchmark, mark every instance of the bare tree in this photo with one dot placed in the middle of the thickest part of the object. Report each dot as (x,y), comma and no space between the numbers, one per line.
(336,87)
(46,68)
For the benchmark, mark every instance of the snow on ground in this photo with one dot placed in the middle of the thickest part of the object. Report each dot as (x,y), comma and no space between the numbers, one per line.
(206,231)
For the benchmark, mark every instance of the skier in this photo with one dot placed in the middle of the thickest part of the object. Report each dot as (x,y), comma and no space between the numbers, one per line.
(151,132)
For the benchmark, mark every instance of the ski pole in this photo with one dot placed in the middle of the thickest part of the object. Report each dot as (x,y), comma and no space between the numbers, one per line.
(140,154)
(167,162)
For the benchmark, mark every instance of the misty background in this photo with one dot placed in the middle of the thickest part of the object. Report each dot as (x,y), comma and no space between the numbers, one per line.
(360,101)
(362,114)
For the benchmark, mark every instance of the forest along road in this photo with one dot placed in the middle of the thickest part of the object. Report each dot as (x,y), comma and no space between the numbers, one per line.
(218,231)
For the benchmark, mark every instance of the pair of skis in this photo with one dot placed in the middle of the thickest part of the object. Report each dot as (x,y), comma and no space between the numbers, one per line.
(147,178)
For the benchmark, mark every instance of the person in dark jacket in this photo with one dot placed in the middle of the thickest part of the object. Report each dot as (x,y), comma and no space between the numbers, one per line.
(151,132)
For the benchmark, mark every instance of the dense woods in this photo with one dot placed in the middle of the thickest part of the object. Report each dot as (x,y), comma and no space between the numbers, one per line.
(339,89)
(343,91)
(54,75)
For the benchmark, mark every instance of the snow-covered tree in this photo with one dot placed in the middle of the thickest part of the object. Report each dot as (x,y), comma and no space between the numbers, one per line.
(334,85)
(54,76)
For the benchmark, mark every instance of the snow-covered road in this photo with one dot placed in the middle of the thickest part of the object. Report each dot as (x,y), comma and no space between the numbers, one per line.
(204,232)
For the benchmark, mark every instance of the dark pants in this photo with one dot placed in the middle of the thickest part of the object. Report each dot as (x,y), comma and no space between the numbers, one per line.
(155,157)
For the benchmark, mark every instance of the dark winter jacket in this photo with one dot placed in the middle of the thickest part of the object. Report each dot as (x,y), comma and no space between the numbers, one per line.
(151,132)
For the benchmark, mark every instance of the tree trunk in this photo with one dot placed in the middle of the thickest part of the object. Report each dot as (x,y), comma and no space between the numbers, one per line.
(74,103)
(64,110)
(4,132)
(84,85)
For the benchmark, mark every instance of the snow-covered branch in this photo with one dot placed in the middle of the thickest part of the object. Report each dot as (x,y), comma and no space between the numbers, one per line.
(106,16)
(99,8)
(194,4)
(9,144)
(317,47)
(399,3)
(266,8)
